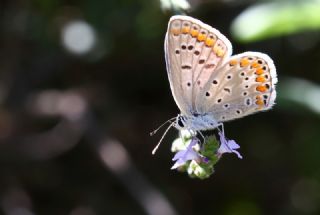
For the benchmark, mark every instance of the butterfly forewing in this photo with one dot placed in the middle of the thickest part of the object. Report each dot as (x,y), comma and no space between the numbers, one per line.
(194,51)
(243,85)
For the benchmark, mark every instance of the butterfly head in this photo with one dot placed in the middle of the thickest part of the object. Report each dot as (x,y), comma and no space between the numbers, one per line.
(181,122)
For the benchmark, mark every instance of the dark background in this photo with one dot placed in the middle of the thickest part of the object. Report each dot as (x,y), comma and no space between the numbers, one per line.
(75,123)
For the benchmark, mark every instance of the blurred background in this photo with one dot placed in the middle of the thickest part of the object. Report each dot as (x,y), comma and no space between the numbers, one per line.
(82,83)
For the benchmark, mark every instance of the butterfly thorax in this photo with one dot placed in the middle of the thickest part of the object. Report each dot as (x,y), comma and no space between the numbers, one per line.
(196,122)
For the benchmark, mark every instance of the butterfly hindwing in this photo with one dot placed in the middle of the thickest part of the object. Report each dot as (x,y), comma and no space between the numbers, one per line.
(243,85)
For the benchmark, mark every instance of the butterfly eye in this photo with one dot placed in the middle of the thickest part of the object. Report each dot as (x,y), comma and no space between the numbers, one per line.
(180,122)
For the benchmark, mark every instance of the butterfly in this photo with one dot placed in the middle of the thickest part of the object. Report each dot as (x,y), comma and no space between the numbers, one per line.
(209,85)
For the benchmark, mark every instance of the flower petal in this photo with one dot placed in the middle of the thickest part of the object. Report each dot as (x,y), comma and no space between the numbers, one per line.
(233,145)
(228,146)
(185,155)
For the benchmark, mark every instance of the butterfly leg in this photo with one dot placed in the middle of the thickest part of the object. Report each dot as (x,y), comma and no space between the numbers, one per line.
(194,135)
(222,128)
(203,138)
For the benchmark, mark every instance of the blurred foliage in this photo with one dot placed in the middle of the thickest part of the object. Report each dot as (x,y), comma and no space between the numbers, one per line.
(75,123)
(175,5)
(275,18)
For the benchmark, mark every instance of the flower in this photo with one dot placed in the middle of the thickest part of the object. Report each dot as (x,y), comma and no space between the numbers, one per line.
(196,170)
(198,159)
(227,146)
(182,156)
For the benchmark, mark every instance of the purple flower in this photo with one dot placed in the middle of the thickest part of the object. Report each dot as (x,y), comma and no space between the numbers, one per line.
(227,146)
(185,155)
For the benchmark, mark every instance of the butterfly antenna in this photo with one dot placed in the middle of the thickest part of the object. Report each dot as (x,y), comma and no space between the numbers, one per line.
(156,130)
(164,134)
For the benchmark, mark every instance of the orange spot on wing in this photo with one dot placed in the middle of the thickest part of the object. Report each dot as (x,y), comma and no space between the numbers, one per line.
(259,71)
(260,79)
(233,62)
(260,102)
(261,88)
(215,49)
(194,33)
(201,37)
(210,42)
(244,62)
(218,51)
(175,31)
(185,30)
(255,65)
